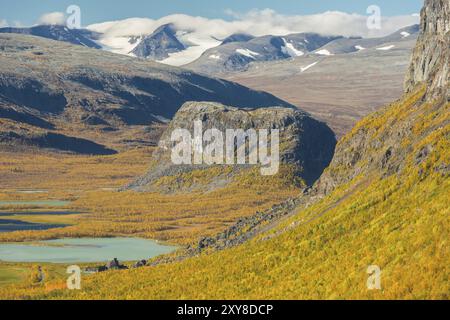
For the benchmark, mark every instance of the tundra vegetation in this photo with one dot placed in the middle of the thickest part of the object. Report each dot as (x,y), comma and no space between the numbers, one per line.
(397,220)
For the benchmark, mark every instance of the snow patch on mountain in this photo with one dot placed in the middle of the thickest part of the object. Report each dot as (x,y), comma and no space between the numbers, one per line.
(290,50)
(303,69)
(386,48)
(196,45)
(405,34)
(215,56)
(324,52)
(248,53)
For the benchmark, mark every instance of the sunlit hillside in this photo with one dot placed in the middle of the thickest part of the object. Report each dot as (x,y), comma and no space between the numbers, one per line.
(396,220)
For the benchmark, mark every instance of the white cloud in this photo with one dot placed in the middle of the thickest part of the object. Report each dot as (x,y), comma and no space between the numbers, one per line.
(52,18)
(204,33)
(3,23)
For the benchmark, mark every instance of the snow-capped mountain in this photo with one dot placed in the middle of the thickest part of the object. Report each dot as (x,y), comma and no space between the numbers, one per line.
(60,33)
(160,44)
(348,45)
(237,55)
(209,51)
(240,54)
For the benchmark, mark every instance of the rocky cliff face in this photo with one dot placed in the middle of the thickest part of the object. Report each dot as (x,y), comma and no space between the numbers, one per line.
(304,142)
(373,148)
(430,61)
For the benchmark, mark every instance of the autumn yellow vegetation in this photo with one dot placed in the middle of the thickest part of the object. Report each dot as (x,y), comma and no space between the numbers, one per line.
(398,222)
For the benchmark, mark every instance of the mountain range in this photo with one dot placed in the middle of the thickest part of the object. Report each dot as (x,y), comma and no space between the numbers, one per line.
(48,85)
(235,52)
(339,89)
(81,37)
(320,68)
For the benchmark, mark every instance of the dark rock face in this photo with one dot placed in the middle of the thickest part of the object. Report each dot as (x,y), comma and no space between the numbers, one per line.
(159,44)
(430,60)
(24,117)
(31,93)
(114,265)
(59,33)
(140,264)
(304,142)
(111,266)
(50,140)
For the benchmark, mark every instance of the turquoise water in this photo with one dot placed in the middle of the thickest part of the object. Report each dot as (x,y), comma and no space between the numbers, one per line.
(50,203)
(83,250)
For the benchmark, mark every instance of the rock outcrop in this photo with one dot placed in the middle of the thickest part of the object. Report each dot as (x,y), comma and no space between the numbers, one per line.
(306,143)
(431,57)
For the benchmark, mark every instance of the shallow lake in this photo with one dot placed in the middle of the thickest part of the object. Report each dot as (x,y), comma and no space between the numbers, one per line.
(83,250)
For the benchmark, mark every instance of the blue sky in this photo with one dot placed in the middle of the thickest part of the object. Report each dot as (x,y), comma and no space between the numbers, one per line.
(27,12)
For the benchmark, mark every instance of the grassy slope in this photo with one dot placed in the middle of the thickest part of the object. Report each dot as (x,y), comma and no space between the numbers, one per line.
(398,222)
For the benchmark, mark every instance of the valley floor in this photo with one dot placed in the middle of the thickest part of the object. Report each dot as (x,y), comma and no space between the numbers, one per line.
(33,183)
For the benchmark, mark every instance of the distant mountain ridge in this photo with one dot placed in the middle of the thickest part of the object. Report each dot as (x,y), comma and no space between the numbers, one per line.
(349,45)
(81,37)
(240,54)
(237,52)
(232,53)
